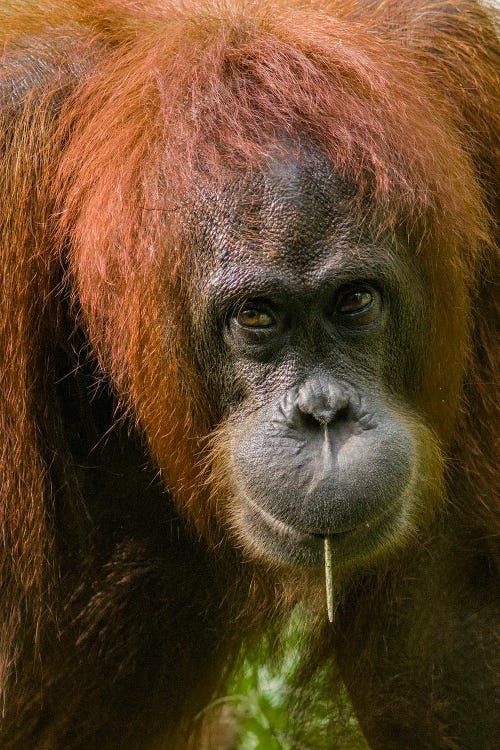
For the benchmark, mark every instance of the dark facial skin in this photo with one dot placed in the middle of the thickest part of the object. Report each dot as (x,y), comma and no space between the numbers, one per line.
(313,323)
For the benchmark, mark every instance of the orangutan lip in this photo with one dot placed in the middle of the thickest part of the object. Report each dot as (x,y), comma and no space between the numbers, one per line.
(284,529)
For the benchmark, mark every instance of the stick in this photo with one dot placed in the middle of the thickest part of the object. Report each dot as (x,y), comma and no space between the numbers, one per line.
(329,578)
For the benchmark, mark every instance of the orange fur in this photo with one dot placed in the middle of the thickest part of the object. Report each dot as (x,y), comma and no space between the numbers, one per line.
(113,114)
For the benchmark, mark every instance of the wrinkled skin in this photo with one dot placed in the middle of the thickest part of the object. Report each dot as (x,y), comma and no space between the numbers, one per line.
(323,429)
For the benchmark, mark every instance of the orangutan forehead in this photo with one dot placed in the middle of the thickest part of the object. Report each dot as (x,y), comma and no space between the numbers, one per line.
(287,213)
(289,231)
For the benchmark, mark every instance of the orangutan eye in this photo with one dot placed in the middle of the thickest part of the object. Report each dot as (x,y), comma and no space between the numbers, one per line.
(355,302)
(253,315)
(358,306)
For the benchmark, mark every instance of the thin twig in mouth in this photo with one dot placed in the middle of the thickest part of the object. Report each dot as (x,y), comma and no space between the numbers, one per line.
(329,578)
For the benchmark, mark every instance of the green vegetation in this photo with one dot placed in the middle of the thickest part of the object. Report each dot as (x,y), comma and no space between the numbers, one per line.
(260,700)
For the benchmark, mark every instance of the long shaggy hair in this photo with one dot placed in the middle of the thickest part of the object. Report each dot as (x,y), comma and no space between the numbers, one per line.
(114,116)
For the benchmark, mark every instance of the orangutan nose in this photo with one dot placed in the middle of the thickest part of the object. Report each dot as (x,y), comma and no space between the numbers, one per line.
(323,399)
